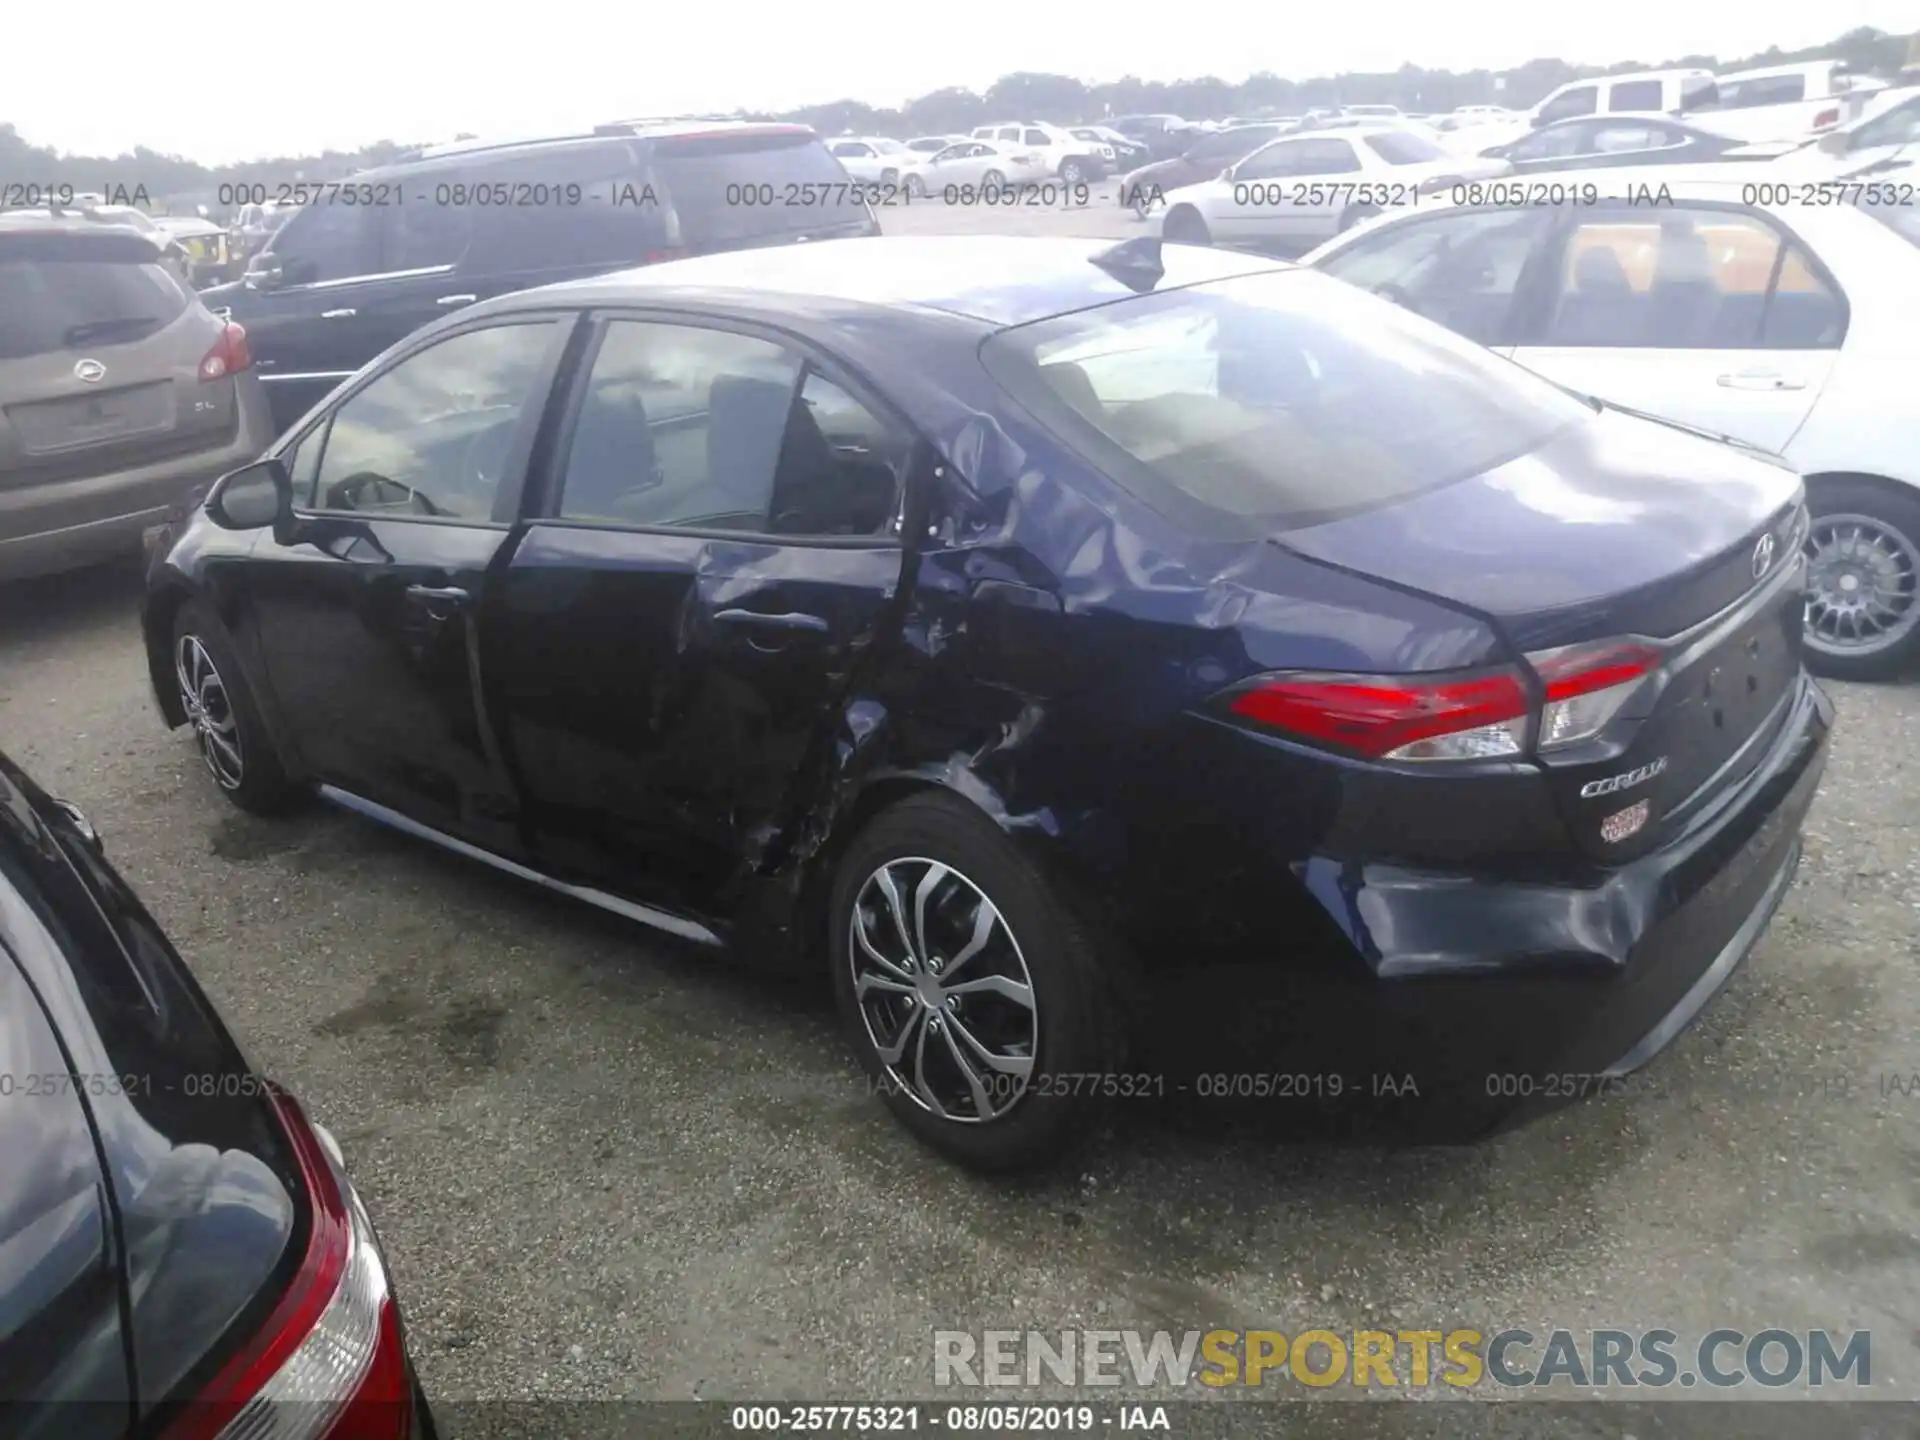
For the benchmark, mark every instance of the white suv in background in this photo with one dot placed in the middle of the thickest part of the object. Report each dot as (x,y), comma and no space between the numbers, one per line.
(1072,159)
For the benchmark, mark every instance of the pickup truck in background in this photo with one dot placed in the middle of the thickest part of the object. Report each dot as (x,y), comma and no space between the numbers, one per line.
(1782,102)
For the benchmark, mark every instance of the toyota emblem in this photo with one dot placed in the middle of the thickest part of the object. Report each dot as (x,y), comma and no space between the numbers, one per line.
(91,371)
(1763,556)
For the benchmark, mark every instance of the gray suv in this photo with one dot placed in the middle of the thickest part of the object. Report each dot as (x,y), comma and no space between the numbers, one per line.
(120,393)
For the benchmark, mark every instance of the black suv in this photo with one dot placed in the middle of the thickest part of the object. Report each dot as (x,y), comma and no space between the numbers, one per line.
(369,260)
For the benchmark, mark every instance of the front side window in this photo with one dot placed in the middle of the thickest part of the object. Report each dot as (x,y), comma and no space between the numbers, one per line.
(1273,163)
(434,435)
(1403,147)
(423,237)
(686,427)
(1556,142)
(1461,270)
(1581,100)
(1689,279)
(1636,95)
(1273,401)
(325,241)
(1325,157)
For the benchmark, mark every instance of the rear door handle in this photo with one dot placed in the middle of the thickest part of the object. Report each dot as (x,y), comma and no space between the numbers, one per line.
(1759,380)
(440,600)
(346,314)
(456,299)
(792,620)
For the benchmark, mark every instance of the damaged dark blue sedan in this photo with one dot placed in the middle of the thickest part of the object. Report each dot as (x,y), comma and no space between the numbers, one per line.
(1058,641)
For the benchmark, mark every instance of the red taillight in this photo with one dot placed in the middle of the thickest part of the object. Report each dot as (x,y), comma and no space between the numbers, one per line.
(328,1362)
(229,355)
(1400,717)
(1826,118)
(1482,715)
(1586,685)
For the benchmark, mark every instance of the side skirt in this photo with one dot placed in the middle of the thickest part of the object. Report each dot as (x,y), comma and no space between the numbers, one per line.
(645,914)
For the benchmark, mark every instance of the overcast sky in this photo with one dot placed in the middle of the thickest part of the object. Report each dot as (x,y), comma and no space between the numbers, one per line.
(101,76)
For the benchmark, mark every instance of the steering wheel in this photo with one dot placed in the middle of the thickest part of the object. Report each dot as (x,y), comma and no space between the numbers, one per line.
(350,494)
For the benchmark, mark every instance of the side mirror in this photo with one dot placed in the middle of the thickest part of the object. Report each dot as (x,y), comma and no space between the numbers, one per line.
(252,498)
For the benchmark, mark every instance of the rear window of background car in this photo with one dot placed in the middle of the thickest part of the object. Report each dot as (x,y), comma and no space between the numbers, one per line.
(703,176)
(1273,401)
(50,303)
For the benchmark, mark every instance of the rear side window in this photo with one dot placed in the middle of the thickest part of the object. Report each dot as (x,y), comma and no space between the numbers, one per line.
(56,297)
(730,187)
(1581,100)
(1692,279)
(1274,401)
(569,206)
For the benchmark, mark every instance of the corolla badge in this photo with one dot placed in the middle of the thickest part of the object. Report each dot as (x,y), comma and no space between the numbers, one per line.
(1626,780)
(91,371)
(1763,556)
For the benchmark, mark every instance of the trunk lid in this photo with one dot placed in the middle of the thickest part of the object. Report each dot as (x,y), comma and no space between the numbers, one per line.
(1621,528)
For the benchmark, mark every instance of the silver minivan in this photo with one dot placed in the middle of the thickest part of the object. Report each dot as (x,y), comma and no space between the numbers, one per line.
(120,393)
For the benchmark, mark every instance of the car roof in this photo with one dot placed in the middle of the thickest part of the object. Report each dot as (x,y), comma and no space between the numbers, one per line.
(611,132)
(997,279)
(1768,72)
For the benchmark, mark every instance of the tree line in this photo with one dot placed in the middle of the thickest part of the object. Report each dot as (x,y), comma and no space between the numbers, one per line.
(1024,94)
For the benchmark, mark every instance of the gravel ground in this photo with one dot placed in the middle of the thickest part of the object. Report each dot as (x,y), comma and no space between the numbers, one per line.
(605,1168)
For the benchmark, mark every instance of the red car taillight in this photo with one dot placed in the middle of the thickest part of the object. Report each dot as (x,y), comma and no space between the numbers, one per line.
(1477,715)
(328,1362)
(229,355)
(1825,118)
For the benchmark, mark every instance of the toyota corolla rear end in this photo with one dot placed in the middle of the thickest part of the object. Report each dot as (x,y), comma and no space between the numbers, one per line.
(1509,765)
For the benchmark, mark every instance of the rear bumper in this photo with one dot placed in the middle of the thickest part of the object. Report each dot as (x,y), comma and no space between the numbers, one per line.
(1501,999)
(66,524)
(1570,992)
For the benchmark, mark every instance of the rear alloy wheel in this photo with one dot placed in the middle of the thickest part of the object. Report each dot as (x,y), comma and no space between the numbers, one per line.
(220,710)
(1863,581)
(1185,227)
(1072,172)
(969,992)
(916,187)
(993,182)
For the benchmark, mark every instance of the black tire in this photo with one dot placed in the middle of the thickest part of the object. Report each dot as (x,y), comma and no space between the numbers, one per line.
(1184,226)
(1072,172)
(1897,508)
(916,187)
(1356,215)
(1074,1029)
(253,778)
(993,182)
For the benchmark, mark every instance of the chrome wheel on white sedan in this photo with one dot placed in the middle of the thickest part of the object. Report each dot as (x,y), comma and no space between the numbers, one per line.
(1863,586)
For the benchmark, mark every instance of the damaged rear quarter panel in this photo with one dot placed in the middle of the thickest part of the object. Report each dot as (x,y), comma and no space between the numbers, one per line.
(1055,641)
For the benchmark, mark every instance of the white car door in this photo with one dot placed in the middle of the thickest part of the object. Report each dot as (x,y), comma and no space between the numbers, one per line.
(1707,314)
(857,157)
(1289,190)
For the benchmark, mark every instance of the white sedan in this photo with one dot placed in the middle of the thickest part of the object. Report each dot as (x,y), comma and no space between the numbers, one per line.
(981,164)
(1792,325)
(869,158)
(1303,188)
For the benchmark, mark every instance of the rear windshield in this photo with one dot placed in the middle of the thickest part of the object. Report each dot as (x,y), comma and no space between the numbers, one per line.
(734,187)
(1274,401)
(1400,147)
(50,301)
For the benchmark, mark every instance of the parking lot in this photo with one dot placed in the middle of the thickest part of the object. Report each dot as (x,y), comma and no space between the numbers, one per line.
(605,1168)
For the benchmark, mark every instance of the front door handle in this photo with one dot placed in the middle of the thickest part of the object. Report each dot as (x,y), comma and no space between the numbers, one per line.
(346,314)
(1759,380)
(441,601)
(789,621)
(456,299)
